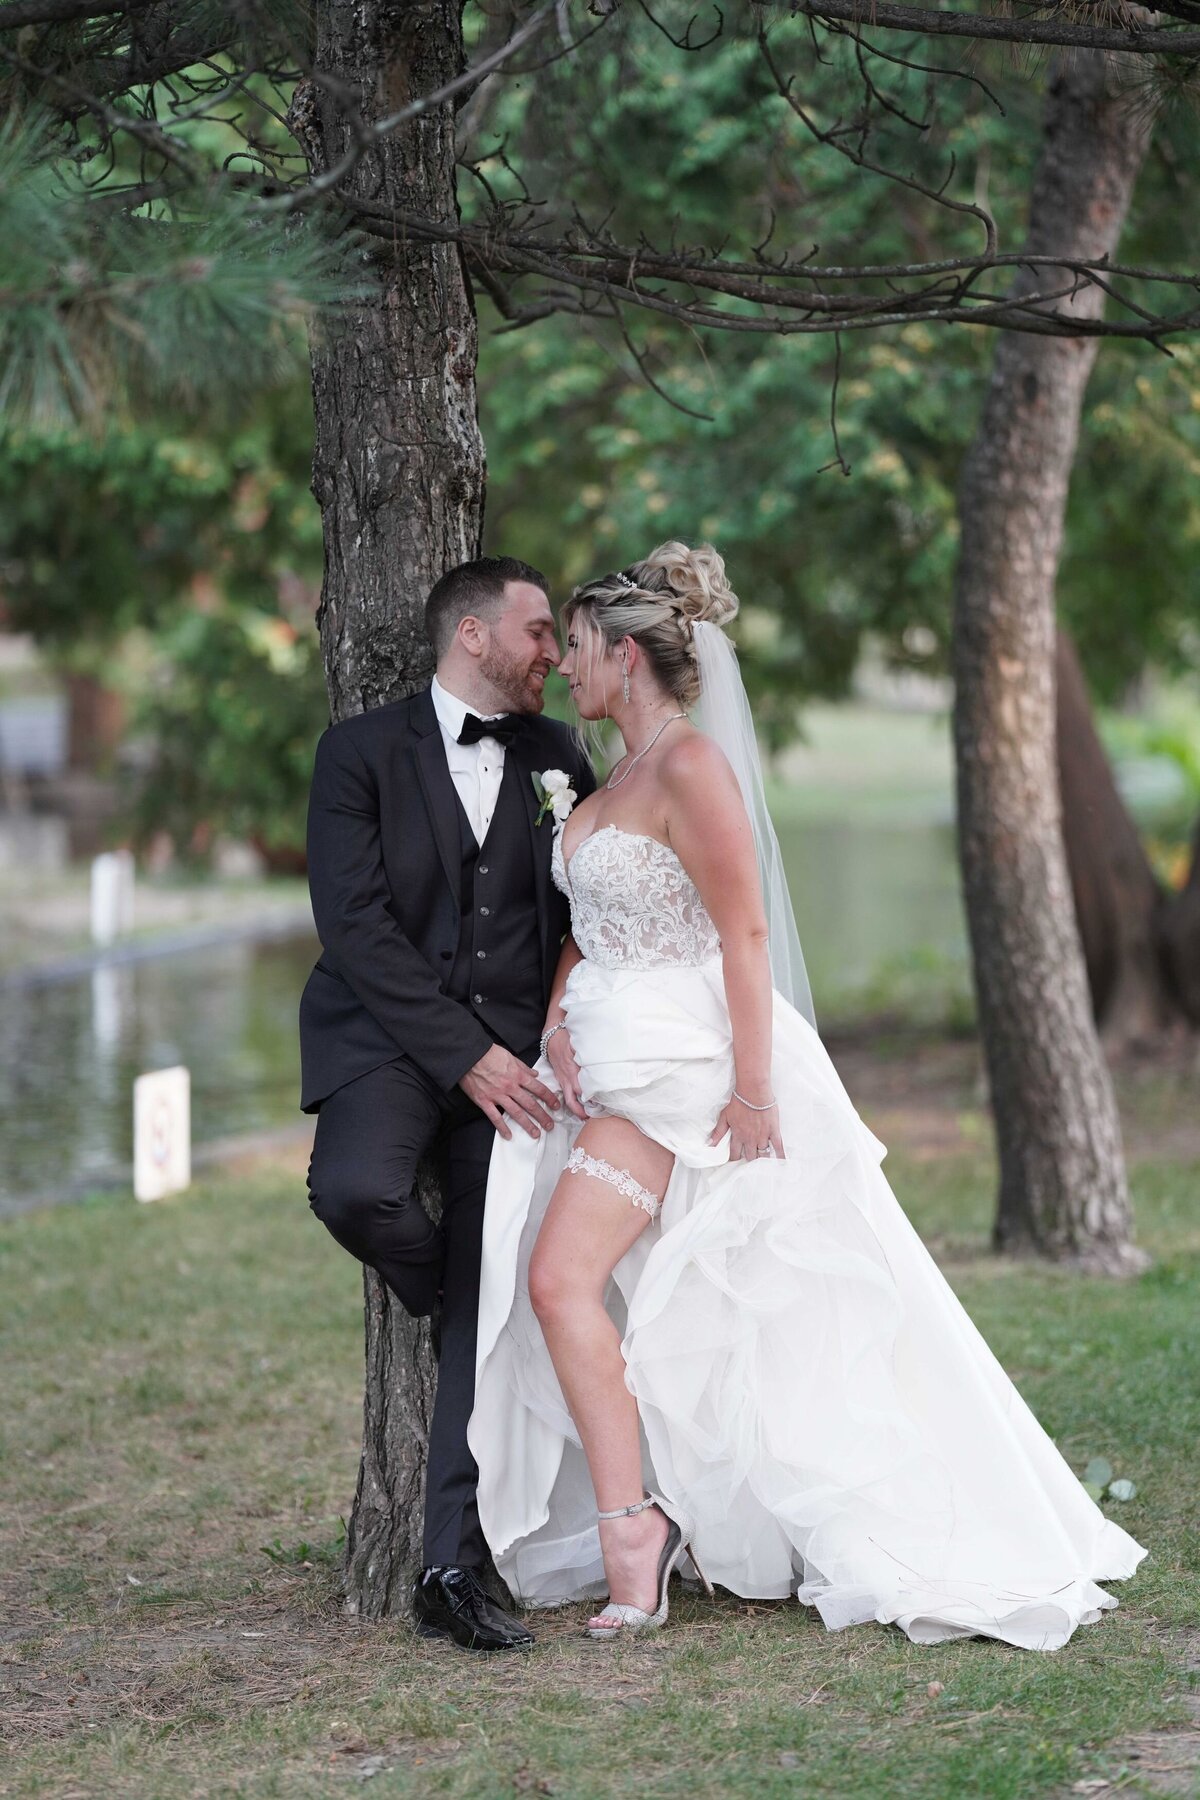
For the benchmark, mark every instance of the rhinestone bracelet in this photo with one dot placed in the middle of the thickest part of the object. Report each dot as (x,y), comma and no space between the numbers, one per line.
(751,1105)
(547,1035)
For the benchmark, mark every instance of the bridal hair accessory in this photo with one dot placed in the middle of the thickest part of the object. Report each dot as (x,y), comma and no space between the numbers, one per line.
(625,581)
(723,714)
(553,788)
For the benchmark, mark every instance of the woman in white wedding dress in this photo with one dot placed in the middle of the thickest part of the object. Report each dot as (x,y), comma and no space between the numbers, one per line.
(700,1283)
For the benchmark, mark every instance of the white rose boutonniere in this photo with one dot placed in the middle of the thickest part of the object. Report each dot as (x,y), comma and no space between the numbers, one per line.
(553,789)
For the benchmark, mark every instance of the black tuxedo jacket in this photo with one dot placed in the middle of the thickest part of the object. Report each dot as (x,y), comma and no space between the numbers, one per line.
(384,867)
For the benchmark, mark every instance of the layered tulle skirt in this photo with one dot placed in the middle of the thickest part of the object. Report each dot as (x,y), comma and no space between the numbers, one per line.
(809,1387)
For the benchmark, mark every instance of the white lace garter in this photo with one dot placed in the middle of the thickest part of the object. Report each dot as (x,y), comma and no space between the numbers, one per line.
(579,1162)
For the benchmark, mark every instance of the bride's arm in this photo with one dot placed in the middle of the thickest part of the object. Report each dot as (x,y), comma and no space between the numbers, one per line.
(559,1053)
(710,833)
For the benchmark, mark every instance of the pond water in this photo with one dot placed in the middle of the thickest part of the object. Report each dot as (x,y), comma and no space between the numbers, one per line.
(869,899)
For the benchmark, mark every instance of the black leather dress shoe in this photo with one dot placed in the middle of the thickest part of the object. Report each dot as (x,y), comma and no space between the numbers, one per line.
(453,1602)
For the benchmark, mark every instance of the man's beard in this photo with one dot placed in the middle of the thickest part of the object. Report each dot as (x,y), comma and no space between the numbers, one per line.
(513,681)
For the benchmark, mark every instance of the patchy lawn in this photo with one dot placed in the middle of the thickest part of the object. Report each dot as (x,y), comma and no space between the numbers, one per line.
(178,1436)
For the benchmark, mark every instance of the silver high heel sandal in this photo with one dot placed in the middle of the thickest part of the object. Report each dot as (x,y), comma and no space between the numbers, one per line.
(624,1620)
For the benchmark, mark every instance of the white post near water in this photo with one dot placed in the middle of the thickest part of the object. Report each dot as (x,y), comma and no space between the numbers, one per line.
(112,896)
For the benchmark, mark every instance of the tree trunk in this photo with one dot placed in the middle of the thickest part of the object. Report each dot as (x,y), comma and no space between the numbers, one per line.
(1141,944)
(398,472)
(1180,938)
(1119,904)
(96,720)
(1063,1191)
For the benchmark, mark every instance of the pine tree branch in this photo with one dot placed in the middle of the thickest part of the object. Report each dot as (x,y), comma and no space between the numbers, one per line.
(576,275)
(112,121)
(785,86)
(887,15)
(16,14)
(153,57)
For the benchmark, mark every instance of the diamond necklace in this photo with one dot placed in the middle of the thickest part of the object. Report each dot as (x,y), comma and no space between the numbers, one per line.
(615,781)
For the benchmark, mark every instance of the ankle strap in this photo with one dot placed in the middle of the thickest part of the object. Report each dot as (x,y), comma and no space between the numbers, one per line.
(625,1512)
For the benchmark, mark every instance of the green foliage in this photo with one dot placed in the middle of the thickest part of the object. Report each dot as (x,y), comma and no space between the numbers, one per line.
(237,699)
(128,305)
(307,1556)
(1128,583)
(137,270)
(590,465)
(184,567)
(99,535)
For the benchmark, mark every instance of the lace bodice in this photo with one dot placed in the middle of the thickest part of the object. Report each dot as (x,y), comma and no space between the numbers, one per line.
(633,904)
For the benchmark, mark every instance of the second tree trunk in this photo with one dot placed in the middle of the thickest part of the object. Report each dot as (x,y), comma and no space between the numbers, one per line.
(1063,1189)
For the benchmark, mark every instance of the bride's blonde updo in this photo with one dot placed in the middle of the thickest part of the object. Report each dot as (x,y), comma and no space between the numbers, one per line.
(656,603)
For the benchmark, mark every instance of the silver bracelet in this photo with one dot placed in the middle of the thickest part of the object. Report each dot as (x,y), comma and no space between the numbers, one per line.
(751,1105)
(547,1035)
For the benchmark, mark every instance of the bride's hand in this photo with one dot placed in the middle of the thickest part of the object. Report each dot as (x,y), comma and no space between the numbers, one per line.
(751,1134)
(561,1058)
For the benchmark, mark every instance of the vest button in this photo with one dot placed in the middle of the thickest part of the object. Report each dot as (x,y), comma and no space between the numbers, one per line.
(481,954)
(478,999)
(484,911)
(483,868)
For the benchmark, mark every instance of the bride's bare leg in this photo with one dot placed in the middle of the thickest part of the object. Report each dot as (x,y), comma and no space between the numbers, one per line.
(589,1225)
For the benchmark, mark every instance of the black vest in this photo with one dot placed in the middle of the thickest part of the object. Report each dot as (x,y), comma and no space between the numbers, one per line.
(497,968)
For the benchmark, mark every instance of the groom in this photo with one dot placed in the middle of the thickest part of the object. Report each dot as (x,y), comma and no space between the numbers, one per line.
(440,932)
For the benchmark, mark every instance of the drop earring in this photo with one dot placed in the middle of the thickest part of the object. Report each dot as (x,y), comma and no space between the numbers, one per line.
(625,683)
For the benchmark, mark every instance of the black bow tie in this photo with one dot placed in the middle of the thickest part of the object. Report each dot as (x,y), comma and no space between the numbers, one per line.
(504,729)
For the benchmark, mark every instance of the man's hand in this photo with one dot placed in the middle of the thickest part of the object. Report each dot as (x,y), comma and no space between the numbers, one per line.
(501,1084)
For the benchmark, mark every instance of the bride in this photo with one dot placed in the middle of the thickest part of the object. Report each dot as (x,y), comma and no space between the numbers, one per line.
(707,1329)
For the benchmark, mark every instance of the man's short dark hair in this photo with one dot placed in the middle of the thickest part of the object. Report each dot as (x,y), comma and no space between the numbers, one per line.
(474,589)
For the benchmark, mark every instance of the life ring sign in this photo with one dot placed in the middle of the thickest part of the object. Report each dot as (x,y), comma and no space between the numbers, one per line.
(162,1133)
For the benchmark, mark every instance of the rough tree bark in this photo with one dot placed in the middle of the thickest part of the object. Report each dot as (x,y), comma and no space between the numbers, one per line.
(1063,1190)
(398,472)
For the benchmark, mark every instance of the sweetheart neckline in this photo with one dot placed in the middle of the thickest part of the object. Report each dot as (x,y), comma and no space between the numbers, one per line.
(598,832)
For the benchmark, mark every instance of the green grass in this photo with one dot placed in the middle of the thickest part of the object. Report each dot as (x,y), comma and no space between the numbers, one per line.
(178,1437)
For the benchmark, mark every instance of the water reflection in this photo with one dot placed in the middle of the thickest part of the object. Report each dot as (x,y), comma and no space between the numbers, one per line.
(69,1051)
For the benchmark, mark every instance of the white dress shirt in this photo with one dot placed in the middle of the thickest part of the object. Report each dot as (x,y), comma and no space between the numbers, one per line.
(475,769)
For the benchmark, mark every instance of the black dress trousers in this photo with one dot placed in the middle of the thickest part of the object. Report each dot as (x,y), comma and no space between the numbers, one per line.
(432,950)
(371,1135)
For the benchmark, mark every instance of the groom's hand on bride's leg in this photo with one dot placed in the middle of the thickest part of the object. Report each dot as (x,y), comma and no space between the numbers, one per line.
(453,1602)
(504,1088)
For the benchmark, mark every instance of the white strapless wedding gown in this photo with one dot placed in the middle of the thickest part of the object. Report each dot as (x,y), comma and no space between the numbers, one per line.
(810,1389)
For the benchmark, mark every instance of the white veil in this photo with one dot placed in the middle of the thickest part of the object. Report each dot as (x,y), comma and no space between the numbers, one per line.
(723,714)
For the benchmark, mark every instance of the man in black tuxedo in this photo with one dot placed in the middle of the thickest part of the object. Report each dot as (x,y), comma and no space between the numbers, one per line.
(440,931)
